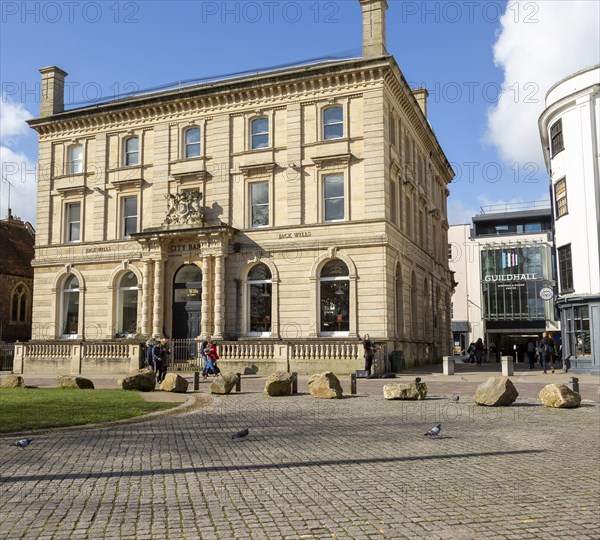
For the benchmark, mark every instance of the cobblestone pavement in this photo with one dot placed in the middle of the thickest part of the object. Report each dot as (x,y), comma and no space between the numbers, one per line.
(356,468)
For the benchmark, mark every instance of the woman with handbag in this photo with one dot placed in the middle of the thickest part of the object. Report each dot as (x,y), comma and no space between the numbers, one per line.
(211,359)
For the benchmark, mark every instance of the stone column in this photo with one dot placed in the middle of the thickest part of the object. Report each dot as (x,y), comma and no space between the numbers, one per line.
(157,319)
(205,323)
(219,297)
(146,298)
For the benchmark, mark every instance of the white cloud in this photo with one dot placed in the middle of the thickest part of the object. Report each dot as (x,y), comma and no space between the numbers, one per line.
(12,121)
(20,171)
(460,213)
(539,44)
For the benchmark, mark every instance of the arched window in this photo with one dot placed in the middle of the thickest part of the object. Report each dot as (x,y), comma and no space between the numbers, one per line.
(127,304)
(70,306)
(333,123)
(75,159)
(259,300)
(413,306)
(132,152)
(399,303)
(259,133)
(334,297)
(18,313)
(192,142)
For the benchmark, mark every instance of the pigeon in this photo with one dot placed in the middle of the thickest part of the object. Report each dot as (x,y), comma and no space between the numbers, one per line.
(23,443)
(455,398)
(240,434)
(434,431)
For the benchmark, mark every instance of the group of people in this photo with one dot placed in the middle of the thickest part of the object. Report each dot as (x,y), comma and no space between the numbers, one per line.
(210,355)
(156,358)
(478,352)
(545,351)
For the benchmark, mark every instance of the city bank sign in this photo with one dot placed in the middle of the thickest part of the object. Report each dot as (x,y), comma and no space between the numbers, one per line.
(510,277)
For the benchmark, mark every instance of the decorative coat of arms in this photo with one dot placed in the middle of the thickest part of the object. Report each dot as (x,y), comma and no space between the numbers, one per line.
(184,208)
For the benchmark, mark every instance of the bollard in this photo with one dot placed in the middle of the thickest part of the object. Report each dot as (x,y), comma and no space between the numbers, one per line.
(575,384)
(353,384)
(294,383)
(507,366)
(448,365)
(196,380)
(238,382)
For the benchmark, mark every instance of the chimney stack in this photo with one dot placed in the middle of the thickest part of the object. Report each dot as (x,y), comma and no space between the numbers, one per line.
(374,27)
(53,91)
(421,95)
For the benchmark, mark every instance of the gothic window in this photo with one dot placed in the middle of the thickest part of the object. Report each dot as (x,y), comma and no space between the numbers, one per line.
(18,313)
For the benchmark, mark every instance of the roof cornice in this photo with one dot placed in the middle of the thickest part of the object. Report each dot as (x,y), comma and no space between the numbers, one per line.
(261,88)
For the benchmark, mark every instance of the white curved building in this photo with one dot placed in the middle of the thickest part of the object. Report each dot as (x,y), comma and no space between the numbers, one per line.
(570,132)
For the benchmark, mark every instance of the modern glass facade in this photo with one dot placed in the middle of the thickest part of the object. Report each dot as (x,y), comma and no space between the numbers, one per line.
(511,281)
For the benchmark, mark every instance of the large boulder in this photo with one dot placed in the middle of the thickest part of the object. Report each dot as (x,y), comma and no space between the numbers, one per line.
(141,379)
(325,386)
(414,391)
(174,383)
(279,384)
(223,384)
(71,381)
(559,396)
(13,381)
(496,392)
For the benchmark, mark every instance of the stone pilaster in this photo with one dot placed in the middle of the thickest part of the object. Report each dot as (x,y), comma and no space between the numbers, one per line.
(219,296)
(146,291)
(205,323)
(157,320)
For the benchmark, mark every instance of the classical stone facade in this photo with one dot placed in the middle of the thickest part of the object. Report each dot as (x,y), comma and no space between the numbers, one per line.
(307,203)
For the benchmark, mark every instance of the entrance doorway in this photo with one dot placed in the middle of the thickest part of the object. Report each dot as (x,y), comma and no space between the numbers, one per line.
(187,302)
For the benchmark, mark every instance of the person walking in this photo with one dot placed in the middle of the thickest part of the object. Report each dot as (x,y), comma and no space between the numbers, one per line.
(158,356)
(203,346)
(149,358)
(162,371)
(369,348)
(211,359)
(479,349)
(531,353)
(544,351)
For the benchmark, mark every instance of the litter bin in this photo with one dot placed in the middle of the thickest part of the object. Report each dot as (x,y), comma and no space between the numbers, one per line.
(397,361)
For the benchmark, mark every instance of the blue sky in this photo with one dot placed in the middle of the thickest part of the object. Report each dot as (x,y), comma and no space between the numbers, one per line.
(487,66)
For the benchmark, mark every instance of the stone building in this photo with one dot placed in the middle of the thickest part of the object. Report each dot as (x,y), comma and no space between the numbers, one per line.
(570,134)
(16,278)
(304,205)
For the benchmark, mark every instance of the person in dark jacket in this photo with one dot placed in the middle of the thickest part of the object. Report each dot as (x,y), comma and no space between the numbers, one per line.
(369,348)
(544,349)
(149,358)
(531,353)
(159,354)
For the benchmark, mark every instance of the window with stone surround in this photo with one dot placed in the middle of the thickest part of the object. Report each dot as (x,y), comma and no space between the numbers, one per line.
(73,224)
(131,154)
(70,307)
(127,302)
(333,197)
(333,123)
(129,216)
(259,295)
(334,294)
(75,159)
(259,133)
(259,204)
(191,143)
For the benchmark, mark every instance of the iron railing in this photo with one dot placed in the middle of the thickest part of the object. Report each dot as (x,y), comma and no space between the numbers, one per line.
(7,354)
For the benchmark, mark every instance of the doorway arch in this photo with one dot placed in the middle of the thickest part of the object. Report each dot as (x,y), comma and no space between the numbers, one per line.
(187,302)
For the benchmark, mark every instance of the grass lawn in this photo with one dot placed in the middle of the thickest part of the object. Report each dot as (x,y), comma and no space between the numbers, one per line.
(38,408)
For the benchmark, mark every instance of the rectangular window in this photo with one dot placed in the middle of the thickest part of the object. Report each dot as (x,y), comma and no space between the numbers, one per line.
(75,161)
(560,198)
(73,222)
(192,143)
(132,154)
(259,132)
(556,138)
(449,252)
(333,192)
(565,268)
(259,204)
(333,123)
(129,216)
